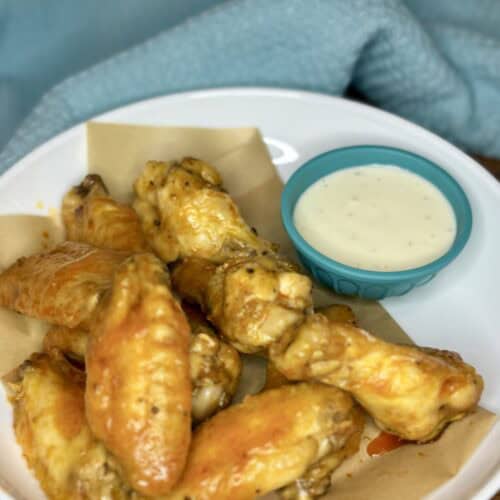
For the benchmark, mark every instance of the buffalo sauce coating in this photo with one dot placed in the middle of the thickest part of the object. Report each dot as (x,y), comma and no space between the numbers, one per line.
(384,443)
(266,442)
(138,392)
(239,446)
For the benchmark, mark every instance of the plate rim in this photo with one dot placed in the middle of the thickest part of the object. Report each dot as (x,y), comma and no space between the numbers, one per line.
(238,91)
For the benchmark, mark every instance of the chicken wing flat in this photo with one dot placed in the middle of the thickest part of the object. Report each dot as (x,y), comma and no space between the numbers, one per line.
(410,391)
(215,367)
(185,213)
(91,216)
(251,300)
(62,286)
(50,426)
(268,441)
(138,390)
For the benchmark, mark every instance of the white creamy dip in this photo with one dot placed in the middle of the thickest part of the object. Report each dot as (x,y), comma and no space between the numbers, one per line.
(376,217)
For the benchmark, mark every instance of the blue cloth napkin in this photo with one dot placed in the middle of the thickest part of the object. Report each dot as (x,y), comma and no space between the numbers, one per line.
(434,62)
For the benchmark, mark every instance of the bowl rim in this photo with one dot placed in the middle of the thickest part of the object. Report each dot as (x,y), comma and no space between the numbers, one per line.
(379,277)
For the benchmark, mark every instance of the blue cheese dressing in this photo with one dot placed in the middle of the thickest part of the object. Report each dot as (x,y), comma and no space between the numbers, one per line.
(376,217)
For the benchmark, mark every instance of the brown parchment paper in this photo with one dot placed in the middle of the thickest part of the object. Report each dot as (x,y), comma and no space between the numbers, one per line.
(118,153)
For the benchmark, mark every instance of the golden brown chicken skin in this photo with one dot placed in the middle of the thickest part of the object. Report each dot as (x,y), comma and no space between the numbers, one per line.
(410,391)
(91,216)
(251,300)
(138,390)
(316,480)
(268,441)
(214,365)
(185,213)
(50,426)
(62,286)
(335,313)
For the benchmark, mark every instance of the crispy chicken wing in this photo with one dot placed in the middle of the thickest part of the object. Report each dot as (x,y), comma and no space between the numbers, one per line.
(50,425)
(215,367)
(268,441)
(138,391)
(185,213)
(410,391)
(62,286)
(251,300)
(214,364)
(91,216)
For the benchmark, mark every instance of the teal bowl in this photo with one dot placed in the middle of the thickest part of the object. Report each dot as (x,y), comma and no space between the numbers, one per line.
(374,285)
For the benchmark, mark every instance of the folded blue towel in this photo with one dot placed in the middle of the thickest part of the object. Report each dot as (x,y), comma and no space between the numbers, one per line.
(434,62)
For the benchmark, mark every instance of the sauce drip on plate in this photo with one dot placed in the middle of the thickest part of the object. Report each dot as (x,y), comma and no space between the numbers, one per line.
(384,443)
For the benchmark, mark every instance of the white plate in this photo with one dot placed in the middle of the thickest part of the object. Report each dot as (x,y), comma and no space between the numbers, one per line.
(458,310)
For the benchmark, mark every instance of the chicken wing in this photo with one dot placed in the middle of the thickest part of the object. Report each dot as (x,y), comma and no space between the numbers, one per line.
(91,216)
(50,426)
(62,286)
(185,213)
(214,365)
(138,390)
(251,300)
(268,441)
(410,391)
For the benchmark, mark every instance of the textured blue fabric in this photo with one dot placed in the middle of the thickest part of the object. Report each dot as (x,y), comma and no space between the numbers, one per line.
(43,42)
(434,62)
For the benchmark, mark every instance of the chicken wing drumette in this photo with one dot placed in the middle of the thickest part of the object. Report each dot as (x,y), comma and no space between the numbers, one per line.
(50,426)
(410,391)
(185,213)
(269,441)
(62,286)
(138,390)
(91,216)
(251,300)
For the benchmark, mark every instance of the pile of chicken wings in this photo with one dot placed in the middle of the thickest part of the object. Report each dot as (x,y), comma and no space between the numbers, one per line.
(150,305)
